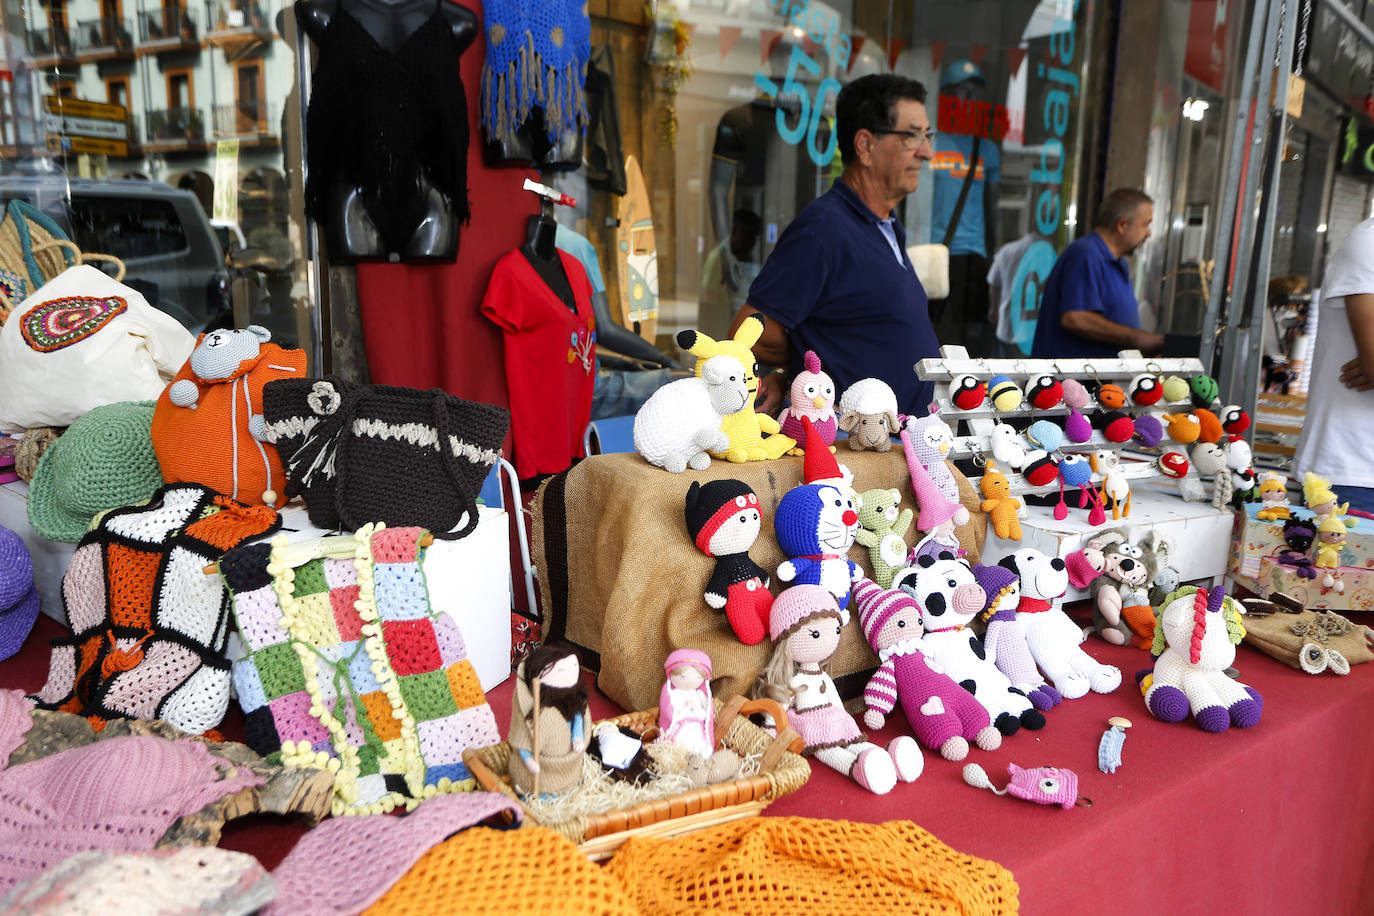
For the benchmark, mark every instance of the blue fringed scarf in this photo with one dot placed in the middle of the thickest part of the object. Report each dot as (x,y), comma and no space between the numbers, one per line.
(536,56)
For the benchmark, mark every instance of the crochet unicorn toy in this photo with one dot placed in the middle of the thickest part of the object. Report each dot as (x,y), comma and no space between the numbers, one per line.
(1195,642)
(744,428)
(813,397)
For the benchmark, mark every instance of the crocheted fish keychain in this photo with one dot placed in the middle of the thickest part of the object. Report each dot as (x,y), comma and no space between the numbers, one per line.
(1042,785)
(1109,748)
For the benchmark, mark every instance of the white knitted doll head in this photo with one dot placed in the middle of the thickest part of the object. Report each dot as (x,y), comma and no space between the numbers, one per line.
(1209,458)
(219,353)
(727,384)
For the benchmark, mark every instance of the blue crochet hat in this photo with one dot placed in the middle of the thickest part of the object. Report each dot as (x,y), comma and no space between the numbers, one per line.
(18,594)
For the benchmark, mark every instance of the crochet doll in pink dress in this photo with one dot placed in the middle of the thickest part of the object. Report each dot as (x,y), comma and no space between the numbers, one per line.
(805,627)
(686,716)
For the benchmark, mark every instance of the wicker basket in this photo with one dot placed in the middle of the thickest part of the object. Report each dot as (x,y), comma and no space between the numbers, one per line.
(782,771)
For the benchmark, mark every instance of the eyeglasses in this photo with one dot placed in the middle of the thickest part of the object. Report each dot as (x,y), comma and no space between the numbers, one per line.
(910,138)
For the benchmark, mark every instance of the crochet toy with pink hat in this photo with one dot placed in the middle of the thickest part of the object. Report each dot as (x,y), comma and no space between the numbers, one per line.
(724,518)
(1004,640)
(816,523)
(943,716)
(813,398)
(938,517)
(805,627)
(686,716)
(927,441)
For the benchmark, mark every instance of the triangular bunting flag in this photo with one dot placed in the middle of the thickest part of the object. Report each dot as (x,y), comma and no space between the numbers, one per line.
(1015,58)
(977,53)
(937,51)
(856,45)
(729,34)
(768,40)
(894,48)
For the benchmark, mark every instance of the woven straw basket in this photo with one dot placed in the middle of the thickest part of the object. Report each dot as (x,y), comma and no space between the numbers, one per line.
(52,255)
(782,771)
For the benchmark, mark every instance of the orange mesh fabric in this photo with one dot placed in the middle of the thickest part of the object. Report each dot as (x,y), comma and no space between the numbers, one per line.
(799,865)
(505,872)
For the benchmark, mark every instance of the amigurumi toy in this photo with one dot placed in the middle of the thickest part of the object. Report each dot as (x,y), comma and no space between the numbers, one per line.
(816,523)
(883,531)
(1194,643)
(812,396)
(679,425)
(943,716)
(868,412)
(1005,637)
(724,518)
(744,428)
(1000,505)
(927,441)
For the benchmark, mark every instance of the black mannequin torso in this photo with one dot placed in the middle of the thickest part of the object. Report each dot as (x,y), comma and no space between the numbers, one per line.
(530,145)
(350,230)
(539,250)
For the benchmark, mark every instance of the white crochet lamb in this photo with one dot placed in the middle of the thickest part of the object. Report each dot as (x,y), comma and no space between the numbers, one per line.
(680,423)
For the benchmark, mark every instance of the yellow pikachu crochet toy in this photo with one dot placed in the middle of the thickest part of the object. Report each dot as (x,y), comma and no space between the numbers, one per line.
(745,428)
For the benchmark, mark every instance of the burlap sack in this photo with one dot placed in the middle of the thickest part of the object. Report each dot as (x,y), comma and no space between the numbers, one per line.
(620,578)
(1273,635)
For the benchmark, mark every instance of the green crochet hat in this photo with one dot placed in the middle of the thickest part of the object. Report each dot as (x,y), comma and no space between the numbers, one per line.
(105,460)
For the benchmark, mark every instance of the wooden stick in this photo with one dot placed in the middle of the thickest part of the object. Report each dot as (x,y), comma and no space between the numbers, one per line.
(425,540)
(534,739)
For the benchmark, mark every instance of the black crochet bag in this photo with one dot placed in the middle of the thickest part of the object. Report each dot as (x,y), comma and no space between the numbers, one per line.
(371,453)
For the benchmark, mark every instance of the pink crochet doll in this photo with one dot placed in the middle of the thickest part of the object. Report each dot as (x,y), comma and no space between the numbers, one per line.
(805,627)
(724,518)
(686,715)
(938,517)
(813,397)
(944,716)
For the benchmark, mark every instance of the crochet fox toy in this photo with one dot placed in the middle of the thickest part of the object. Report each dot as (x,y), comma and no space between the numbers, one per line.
(724,518)
(999,504)
(883,532)
(744,428)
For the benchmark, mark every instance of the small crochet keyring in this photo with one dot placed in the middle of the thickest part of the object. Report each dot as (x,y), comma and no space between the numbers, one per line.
(1042,785)
(1109,748)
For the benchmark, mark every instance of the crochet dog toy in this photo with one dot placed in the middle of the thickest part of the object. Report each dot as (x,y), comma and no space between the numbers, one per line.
(949,599)
(724,518)
(813,397)
(816,524)
(805,627)
(868,412)
(1004,510)
(883,531)
(744,428)
(680,424)
(1005,639)
(1120,596)
(1052,637)
(208,424)
(1194,643)
(943,716)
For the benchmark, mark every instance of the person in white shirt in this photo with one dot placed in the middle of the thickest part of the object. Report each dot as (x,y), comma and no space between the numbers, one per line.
(1001,279)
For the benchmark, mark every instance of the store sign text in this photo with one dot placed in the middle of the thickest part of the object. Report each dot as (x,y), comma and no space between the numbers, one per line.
(822,27)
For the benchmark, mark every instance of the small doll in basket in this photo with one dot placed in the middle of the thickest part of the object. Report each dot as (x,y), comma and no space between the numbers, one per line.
(805,627)
(686,717)
(550,723)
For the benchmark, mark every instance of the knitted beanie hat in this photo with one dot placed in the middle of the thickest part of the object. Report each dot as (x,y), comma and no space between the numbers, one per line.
(798,604)
(995,580)
(708,505)
(679,657)
(103,461)
(1081,572)
(18,594)
(877,605)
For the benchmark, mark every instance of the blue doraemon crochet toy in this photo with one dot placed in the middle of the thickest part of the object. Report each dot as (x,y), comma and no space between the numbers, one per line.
(816,523)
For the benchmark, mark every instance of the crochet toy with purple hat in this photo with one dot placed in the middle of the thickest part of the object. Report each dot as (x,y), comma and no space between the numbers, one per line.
(18,594)
(724,518)
(1005,639)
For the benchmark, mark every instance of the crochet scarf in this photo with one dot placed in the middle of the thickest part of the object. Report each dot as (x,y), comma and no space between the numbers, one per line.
(350,668)
(149,626)
(536,56)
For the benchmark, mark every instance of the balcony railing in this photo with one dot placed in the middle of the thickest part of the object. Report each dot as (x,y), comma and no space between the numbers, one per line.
(51,44)
(110,36)
(242,15)
(169,25)
(170,125)
(246,119)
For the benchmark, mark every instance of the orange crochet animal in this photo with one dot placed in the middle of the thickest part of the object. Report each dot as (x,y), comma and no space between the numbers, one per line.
(999,504)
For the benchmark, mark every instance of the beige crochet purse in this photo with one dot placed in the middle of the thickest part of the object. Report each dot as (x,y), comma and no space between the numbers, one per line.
(33,250)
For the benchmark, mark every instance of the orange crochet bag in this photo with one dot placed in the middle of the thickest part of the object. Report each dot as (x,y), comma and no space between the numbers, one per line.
(208,421)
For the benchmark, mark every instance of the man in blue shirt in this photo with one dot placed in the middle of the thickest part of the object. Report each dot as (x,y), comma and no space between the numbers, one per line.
(839,281)
(1089,306)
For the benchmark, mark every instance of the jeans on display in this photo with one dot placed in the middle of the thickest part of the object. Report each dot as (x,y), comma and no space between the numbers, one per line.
(621,392)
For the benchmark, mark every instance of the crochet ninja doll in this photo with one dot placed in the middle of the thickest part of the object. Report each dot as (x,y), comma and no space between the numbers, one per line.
(724,518)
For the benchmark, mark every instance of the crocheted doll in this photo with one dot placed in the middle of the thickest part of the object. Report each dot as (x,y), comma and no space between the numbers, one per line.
(943,716)
(1052,637)
(1330,539)
(1274,495)
(1004,638)
(1318,496)
(1194,643)
(1239,458)
(937,519)
(926,441)
(883,530)
(868,412)
(805,626)
(998,503)
(550,723)
(1210,458)
(686,716)
(816,524)
(813,397)
(1120,596)
(1298,535)
(949,599)
(679,425)
(724,517)
(744,428)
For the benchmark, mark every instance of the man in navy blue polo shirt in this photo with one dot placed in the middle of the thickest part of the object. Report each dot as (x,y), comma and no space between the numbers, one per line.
(1089,306)
(839,281)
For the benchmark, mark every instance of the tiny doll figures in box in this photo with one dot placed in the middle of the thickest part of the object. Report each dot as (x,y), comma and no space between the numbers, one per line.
(1330,539)
(1319,497)
(550,722)
(686,716)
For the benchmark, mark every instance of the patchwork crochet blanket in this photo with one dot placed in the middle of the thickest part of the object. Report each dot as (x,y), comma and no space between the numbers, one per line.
(349,667)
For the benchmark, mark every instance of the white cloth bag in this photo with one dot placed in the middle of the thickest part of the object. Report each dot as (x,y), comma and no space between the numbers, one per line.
(80,341)
(931,263)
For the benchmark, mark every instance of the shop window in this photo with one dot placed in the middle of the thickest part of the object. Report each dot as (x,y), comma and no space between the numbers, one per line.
(65,89)
(249,113)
